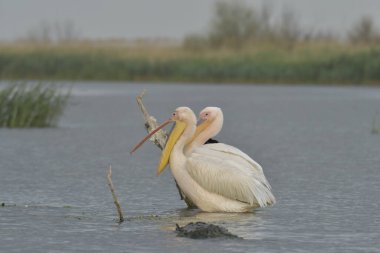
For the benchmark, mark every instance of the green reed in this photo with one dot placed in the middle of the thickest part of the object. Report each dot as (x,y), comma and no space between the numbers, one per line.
(23,105)
(310,65)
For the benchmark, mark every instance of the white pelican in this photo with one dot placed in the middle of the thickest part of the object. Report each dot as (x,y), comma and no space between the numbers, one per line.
(212,124)
(213,183)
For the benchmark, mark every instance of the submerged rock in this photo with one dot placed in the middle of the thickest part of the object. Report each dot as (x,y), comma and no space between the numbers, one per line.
(202,230)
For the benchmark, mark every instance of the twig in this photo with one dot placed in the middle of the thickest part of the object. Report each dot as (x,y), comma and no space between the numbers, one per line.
(115,200)
(159,139)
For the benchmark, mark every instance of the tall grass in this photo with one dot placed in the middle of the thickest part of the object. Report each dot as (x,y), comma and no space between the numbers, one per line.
(23,105)
(309,63)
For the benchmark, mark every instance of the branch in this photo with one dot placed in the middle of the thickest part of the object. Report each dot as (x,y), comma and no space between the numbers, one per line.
(159,139)
(115,200)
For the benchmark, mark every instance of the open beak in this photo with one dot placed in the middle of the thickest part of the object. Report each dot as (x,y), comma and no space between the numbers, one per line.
(174,136)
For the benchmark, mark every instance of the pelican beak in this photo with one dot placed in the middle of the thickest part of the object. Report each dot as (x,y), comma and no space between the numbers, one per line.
(200,127)
(138,145)
(174,136)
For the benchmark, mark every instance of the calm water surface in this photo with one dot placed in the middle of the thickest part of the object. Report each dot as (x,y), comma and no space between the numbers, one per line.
(314,143)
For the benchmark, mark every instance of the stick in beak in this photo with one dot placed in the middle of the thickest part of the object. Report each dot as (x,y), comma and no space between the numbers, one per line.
(138,145)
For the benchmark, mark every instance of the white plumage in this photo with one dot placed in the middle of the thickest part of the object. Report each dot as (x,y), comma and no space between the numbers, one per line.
(216,177)
(225,169)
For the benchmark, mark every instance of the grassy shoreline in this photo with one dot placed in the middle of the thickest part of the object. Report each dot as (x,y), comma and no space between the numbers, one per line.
(305,63)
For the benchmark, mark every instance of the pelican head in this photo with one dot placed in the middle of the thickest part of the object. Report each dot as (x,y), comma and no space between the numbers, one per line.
(182,117)
(210,116)
(210,113)
(185,115)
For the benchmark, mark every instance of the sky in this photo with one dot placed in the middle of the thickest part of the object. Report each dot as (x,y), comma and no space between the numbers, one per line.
(133,19)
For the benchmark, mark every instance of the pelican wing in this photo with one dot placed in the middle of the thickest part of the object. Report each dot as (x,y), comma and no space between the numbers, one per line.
(224,151)
(228,149)
(216,172)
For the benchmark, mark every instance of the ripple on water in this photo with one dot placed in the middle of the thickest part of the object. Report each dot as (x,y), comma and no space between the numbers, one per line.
(314,144)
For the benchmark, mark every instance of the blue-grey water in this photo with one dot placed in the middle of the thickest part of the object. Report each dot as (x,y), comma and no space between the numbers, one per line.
(314,143)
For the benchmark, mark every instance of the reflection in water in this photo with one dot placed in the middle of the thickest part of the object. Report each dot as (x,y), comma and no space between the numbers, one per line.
(194,215)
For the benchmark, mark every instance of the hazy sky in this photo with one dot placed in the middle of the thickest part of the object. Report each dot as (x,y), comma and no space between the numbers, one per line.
(163,18)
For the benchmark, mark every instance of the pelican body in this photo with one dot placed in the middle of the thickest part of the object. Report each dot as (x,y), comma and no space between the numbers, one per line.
(212,182)
(212,124)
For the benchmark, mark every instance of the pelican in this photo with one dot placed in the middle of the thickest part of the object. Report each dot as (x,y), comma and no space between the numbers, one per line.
(213,183)
(212,124)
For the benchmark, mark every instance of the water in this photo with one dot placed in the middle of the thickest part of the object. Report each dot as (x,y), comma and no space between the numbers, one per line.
(314,143)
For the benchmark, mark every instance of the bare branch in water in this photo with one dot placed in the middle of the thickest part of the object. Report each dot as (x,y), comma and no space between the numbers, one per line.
(115,200)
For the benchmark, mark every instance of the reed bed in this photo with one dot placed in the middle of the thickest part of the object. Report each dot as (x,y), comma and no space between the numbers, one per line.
(301,65)
(23,105)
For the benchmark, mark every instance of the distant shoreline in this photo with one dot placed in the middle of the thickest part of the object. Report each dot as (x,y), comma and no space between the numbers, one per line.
(314,64)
